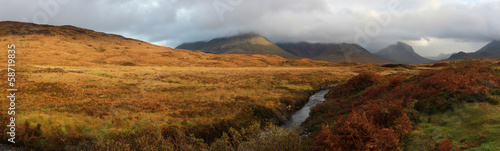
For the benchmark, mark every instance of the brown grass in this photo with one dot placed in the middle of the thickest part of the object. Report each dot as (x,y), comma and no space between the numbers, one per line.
(374,112)
(82,89)
(108,100)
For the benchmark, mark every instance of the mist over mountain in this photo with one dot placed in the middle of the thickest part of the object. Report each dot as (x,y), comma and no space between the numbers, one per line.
(401,53)
(441,56)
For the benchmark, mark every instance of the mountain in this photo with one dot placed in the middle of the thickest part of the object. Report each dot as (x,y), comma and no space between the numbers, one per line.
(249,43)
(401,53)
(492,46)
(490,51)
(331,52)
(476,55)
(72,46)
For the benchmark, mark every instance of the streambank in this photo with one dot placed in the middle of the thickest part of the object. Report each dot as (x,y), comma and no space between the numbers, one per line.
(303,113)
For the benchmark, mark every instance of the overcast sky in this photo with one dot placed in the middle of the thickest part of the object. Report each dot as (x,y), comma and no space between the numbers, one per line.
(430,26)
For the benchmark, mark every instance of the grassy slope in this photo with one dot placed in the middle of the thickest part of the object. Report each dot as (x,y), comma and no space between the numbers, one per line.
(72,46)
(86,88)
(453,108)
(474,125)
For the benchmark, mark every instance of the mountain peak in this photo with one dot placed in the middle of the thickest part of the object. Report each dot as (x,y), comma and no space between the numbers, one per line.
(401,53)
(248,34)
(246,43)
(405,46)
(492,46)
(244,38)
(400,43)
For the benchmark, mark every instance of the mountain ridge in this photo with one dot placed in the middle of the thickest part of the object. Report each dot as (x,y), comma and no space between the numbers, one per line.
(247,43)
(492,46)
(489,51)
(331,52)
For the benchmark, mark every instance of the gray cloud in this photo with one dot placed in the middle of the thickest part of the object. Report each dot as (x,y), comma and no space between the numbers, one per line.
(461,25)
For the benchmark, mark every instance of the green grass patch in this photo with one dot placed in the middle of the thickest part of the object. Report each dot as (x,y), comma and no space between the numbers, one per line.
(474,125)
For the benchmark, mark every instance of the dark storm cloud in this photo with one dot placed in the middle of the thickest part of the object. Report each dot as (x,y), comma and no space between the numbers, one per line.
(427,24)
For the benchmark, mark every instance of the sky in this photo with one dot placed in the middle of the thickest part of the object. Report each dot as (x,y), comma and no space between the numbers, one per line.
(430,26)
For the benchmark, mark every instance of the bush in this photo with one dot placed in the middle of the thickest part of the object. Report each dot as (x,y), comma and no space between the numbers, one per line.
(410,67)
(442,64)
(370,112)
(379,125)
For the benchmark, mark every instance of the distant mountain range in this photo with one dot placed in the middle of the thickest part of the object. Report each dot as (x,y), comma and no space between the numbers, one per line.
(401,53)
(252,43)
(490,51)
(78,46)
(331,52)
(249,43)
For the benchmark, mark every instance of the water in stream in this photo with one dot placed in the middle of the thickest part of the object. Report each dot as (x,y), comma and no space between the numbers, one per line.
(301,115)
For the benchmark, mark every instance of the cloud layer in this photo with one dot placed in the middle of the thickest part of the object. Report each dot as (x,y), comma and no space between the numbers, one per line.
(431,26)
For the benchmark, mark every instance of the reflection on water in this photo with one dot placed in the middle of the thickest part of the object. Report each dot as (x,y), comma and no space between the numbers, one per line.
(301,115)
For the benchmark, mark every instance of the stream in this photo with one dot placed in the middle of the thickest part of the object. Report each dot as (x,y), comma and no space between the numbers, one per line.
(301,115)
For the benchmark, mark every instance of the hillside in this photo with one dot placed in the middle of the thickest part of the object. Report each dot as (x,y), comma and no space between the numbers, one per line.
(192,46)
(401,53)
(249,43)
(490,51)
(73,46)
(476,55)
(492,46)
(331,52)
(454,108)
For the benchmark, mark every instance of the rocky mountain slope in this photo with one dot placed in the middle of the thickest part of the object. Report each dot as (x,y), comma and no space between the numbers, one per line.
(401,53)
(249,43)
(490,51)
(331,52)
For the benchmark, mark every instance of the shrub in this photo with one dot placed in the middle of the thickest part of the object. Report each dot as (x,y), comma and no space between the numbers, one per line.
(443,146)
(29,136)
(399,66)
(441,64)
(378,125)
(369,112)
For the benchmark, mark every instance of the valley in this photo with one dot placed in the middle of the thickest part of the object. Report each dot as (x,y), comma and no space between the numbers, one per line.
(87,90)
